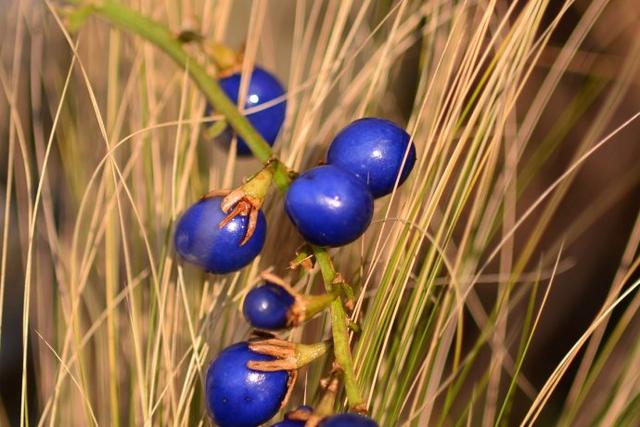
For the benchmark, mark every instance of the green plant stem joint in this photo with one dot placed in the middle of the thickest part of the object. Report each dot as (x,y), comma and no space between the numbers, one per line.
(307,306)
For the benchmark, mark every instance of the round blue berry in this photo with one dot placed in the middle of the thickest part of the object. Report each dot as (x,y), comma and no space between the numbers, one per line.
(199,239)
(263,87)
(267,306)
(373,150)
(238,396)
(347,419)
(329,207)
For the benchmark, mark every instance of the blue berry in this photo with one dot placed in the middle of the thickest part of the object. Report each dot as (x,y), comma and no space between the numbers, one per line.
(373,149)
(200,240)
(238,396)
(329,207)
(263,87)
(347,419)
(267,306)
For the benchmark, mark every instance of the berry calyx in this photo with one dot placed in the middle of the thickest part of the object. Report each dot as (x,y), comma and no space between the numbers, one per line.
(224,58)
(200,238)
(264,102)
(296,418)
(239,396)
(348,419)
(247,200)
(374,150)
(329,206)
(274,305)
(286,355)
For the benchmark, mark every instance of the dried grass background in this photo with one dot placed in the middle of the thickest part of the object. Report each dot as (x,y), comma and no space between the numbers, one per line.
(486,282)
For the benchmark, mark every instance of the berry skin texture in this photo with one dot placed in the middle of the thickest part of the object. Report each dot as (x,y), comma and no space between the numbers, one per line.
(347,419)
(199,240)
(263,87)
(373,149)
(328,206)
(267,306)
(238,396)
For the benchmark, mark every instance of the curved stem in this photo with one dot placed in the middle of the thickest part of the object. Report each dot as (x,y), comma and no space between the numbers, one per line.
(340,333)
(156,33)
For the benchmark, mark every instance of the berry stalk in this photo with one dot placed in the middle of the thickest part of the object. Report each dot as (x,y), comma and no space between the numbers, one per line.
(156,33)
(342,350)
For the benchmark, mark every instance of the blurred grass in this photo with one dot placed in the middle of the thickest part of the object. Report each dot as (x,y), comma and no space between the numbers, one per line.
(104,150)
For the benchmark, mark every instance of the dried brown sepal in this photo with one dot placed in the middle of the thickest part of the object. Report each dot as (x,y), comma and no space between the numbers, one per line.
(283,351)
(288,356)
(247,200)
(361,409)
(298,415)
(293,376)
(296,314)
(237,203)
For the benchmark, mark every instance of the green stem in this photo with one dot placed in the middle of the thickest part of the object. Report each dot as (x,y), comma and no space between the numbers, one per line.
(156,33)
(341,347)
(307,353)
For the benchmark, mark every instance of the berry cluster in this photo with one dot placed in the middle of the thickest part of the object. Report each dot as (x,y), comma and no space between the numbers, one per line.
(330,205)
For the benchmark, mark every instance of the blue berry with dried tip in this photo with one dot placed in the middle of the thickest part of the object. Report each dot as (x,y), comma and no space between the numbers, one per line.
(241,397)
(267,306)
(348,419)
(200,240)
(373,150)
(329,206)
(263,88)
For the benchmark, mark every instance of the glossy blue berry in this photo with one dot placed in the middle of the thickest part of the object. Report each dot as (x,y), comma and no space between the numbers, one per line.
(238,396)
(287,422)
(329,206)
(267,306)
(348,419)
(199,239)
(373,149)
(263,87)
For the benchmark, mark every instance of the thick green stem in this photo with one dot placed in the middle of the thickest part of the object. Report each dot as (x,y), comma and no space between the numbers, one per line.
(128,19)
(341,347)
(156,33)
